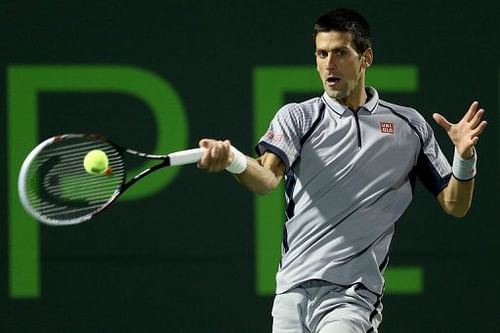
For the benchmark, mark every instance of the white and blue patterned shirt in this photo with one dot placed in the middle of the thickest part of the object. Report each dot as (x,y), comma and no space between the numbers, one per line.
(349,178)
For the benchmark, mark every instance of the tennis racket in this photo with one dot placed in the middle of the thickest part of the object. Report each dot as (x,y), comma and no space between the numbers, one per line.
(55,188)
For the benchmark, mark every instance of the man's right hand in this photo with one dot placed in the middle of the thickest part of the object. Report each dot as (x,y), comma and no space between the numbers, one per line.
(217,157)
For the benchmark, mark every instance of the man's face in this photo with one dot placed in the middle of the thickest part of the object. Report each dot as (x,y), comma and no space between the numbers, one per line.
(340,67)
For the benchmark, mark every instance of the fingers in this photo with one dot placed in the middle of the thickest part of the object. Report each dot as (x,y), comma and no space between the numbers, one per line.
(464,134)
(471,112)
(476,119)
(476,124)
(479,129)
(217,155)
(472,116)
(472,119)
(442,121)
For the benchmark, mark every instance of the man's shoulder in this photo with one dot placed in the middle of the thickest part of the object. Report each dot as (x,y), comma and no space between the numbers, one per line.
(304,109)
(311,101)
(308,104)
(397,107)
(403,111)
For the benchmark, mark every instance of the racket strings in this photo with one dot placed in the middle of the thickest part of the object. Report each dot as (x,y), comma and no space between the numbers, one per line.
(59,188)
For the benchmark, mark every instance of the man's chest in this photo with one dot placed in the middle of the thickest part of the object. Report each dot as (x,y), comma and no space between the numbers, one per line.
(360,145)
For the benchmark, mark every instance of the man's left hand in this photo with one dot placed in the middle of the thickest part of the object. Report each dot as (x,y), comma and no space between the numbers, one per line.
(464,134)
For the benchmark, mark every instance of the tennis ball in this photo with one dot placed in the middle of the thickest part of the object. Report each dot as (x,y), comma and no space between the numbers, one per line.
(95,162)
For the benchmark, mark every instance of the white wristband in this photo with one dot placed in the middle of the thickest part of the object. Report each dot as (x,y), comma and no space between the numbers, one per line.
(464,169)
(239,163)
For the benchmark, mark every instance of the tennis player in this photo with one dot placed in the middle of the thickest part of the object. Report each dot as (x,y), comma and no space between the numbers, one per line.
(350,161)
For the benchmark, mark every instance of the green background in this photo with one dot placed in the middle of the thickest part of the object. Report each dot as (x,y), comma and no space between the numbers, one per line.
(184,259)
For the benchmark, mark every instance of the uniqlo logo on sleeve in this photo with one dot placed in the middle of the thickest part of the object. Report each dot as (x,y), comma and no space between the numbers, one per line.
(275,137)
(387,127)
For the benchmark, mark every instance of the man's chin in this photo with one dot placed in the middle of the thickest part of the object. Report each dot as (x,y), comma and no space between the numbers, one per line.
(335,94)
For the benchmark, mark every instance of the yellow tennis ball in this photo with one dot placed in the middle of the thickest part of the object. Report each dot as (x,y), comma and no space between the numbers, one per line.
(95,162)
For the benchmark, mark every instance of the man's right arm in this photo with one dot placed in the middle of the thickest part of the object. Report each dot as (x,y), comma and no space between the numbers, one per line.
(261,175)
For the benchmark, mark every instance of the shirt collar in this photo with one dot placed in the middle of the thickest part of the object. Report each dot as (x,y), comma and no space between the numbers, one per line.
(369,106)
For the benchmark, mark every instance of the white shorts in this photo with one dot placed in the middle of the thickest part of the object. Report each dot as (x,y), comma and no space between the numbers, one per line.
(322,307)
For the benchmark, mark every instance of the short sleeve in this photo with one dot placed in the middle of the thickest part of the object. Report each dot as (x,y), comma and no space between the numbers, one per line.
(284,134)
(433,169)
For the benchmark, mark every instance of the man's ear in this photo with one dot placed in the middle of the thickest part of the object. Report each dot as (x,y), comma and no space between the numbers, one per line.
(367,58)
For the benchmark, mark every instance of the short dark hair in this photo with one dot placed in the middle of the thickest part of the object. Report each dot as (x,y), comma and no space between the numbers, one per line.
(346,20)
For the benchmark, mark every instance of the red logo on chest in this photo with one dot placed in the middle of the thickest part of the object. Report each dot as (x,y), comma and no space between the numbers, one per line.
(387,127)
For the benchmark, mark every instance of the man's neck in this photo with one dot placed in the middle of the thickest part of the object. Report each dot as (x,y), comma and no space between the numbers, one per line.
(357,98)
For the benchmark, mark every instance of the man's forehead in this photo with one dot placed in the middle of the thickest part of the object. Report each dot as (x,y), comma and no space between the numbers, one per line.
(334,39)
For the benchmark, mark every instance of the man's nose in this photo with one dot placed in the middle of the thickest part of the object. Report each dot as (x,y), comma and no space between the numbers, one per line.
(330,61)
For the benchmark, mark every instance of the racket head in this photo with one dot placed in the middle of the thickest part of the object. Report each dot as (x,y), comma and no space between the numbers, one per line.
(54,186)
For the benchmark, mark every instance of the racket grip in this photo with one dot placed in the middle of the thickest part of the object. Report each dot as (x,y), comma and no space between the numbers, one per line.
(186,156)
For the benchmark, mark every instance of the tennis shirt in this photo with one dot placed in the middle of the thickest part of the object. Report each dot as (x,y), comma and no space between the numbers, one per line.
(349,177)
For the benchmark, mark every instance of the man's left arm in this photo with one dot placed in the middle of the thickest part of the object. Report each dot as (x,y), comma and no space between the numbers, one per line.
(456,198)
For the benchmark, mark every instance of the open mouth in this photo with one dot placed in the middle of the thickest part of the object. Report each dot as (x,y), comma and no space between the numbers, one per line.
(331,80)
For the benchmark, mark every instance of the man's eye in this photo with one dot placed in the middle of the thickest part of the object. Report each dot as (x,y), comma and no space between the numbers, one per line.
(322,54)
(340,52)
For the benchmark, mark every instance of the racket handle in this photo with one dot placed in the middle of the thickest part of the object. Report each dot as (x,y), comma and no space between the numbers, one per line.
(186,156)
